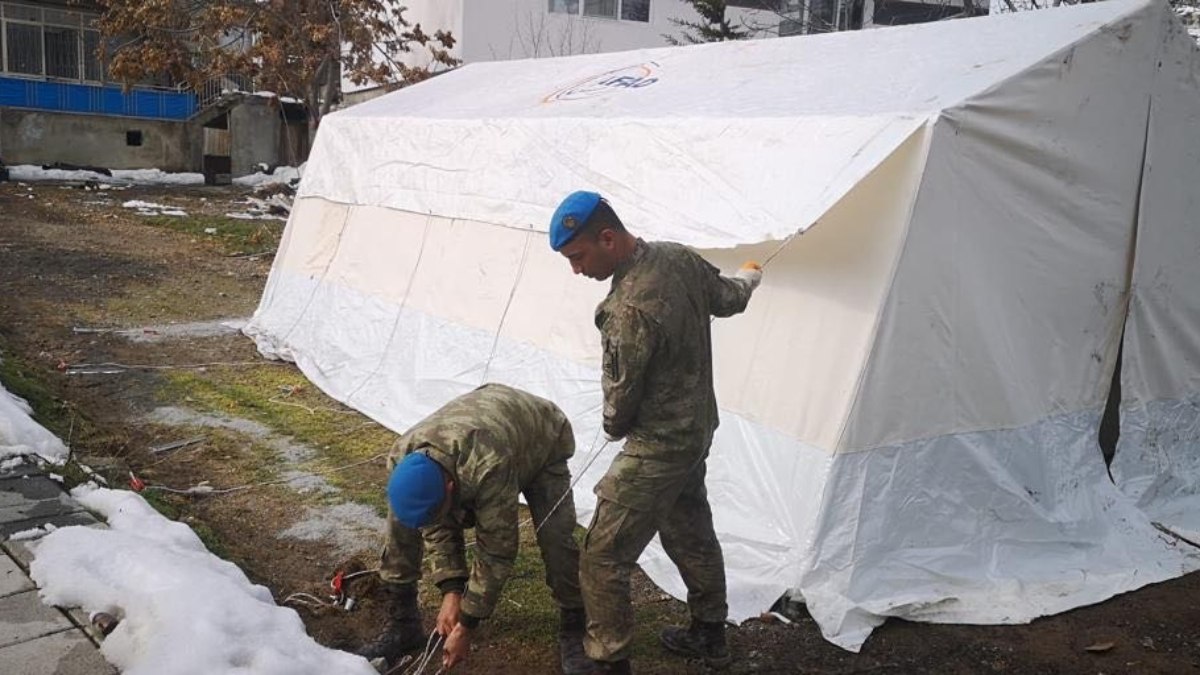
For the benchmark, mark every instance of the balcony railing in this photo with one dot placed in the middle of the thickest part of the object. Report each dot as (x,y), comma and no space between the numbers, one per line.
(166,104)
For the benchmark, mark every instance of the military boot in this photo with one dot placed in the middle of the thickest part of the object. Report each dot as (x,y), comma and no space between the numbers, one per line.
(621,667)
(701,640)
(571,628)
(402,632)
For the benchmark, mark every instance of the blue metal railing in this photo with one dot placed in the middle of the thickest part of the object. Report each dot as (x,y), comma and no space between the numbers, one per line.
(96,99)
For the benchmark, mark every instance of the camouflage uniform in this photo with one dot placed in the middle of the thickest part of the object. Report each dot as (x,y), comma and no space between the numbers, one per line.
(496,442)
(658,395)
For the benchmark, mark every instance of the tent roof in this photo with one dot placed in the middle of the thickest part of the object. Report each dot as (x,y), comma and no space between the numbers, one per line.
(712,145)
(905,70)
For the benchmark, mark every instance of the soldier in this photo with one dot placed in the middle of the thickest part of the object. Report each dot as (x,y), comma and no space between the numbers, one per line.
(658,396)
(464,466)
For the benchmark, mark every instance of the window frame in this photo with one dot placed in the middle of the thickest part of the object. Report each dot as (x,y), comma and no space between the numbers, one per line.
(42,18)
(618,15)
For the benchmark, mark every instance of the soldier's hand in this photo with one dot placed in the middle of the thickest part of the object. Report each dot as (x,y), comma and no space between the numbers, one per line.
(448,615)
(752,272)
(457,646)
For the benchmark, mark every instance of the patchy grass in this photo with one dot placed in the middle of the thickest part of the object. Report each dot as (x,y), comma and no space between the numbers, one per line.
(282,399)
(172,300)
(527,614)
(232,236)
(27,380)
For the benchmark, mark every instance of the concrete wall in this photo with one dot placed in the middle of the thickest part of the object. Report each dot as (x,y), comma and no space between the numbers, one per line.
(257,133)
(36,137)
(254,129)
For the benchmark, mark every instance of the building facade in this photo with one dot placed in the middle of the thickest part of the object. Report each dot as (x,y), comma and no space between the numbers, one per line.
(58,105)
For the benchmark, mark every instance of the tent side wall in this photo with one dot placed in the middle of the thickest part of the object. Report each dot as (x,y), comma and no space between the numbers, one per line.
(394,312)
(969,486)
(1157,460)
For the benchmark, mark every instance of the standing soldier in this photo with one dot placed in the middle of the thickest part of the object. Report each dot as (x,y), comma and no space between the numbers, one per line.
(464,466)
(658,396)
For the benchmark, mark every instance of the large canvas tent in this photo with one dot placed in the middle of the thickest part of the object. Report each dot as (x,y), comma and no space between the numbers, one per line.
(964,222)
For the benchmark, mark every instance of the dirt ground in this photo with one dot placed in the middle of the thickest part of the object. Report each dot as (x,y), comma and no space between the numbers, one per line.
(76,267)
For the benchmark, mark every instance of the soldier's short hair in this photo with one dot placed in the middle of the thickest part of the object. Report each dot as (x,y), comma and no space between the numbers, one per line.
(603,217)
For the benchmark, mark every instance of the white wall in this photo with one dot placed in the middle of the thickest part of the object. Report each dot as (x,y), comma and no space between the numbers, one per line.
(513,29)
(433,15)
(496,30)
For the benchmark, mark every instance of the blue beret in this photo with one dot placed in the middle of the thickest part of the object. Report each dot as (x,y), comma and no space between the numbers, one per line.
(415,490)
(571,216)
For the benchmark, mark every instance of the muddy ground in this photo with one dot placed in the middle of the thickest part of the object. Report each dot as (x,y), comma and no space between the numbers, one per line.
(92,295)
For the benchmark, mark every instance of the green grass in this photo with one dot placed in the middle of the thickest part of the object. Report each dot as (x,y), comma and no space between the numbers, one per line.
(282,399)
(232,235)
(27,380)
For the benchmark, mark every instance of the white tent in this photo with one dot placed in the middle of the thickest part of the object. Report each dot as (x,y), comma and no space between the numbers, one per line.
(910,405)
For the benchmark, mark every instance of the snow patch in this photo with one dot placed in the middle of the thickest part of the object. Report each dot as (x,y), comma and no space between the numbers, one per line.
(283,174)
(33,533)
(242,215)
(350,527)
(20,435)
(181,609)
(152,209)
(31,172)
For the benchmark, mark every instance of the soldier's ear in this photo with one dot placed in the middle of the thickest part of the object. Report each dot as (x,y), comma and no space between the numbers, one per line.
(606,238)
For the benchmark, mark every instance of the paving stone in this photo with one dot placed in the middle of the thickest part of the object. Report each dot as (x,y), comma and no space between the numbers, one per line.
(24,617)
(80,619)
(66,653)
(33,497)
(23,469)
(12,578)
(20,549)
(34,487)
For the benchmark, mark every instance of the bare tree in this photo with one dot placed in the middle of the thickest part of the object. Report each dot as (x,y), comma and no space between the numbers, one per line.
(535,35)
(300,48)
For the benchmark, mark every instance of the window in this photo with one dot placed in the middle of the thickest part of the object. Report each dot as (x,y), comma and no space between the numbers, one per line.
(602,8)
(62,52)
(564,6)
(23,48)
(821,15)
(635,10)
(93,68)
(626,10)
(133,137)
(49,43)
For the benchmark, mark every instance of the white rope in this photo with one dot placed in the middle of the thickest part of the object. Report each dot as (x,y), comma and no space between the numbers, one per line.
(418,666)
(575,482)
(204,489)
(308,600)
(511,293)
(779,250)
(399,312)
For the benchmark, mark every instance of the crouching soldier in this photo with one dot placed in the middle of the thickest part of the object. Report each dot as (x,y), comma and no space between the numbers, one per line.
(464,466)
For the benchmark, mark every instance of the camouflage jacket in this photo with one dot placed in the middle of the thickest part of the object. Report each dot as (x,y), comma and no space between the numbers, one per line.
(493,441)
(654,325)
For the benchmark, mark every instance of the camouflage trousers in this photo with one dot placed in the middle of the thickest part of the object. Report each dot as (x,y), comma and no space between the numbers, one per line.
(639,497)
(405,547)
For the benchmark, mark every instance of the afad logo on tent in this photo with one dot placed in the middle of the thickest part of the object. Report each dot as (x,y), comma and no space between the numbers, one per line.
(622,79)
